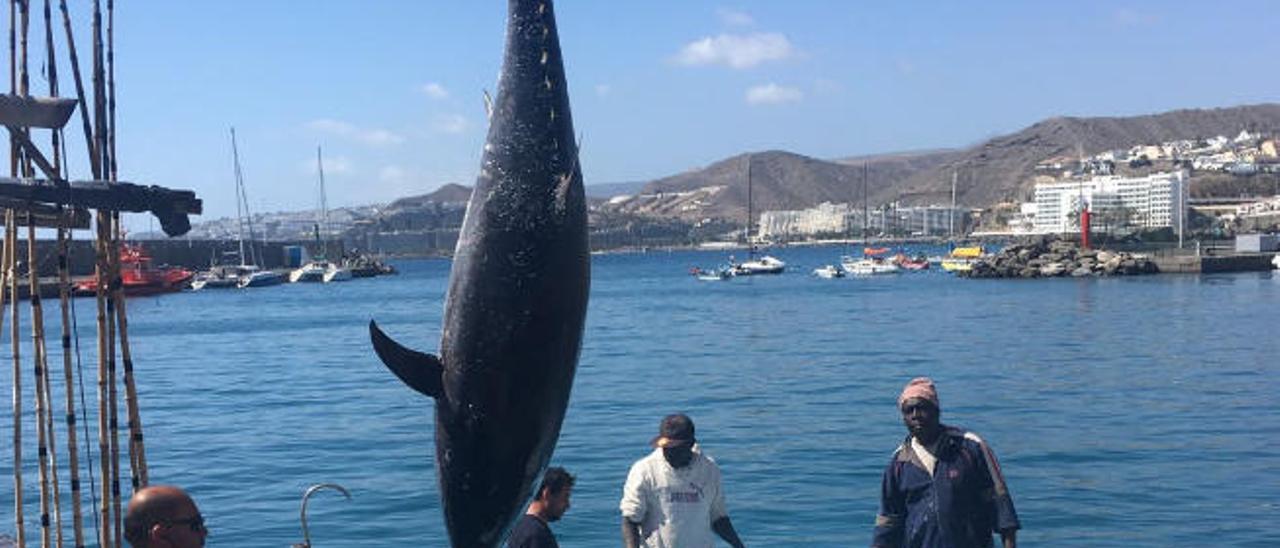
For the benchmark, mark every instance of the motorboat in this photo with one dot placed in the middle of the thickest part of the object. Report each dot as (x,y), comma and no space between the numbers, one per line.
(218,277)
(714,275)
(911,263)
(828,272)
(765,264)
(868,266)
(260,278)
(961,259)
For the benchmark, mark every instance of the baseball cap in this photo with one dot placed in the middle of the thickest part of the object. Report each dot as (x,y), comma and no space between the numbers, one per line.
(675,430)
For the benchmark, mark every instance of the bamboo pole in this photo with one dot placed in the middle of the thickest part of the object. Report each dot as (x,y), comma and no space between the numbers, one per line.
(107,422)
(64,296)
(137,450)
(55,144)
(39,389)
(44,423)
(95,166)
(96,170)
(11,286)
(16,11)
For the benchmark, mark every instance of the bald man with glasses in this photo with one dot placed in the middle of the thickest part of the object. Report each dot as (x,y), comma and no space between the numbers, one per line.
(164,516)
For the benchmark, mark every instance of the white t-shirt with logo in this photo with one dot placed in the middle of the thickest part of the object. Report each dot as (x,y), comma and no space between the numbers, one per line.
(675,507)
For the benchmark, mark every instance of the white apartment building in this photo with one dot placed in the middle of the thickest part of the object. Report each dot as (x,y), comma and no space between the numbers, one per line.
(826,218)
(1155,201)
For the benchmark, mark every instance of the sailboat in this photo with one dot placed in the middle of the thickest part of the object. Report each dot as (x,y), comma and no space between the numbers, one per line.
(246,273)
(764,264)
(320,269)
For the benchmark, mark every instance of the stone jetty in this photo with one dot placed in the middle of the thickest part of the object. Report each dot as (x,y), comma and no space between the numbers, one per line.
(1052,257)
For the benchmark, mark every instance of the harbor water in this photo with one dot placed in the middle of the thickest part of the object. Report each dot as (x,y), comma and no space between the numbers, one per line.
(1126,412)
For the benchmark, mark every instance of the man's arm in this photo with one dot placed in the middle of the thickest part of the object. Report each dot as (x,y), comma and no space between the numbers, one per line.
(890,521)
(630,534)
(1009,537)
(724,528)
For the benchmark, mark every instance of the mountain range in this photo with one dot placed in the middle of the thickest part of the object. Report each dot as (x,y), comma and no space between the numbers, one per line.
(997,170)
(1000,169)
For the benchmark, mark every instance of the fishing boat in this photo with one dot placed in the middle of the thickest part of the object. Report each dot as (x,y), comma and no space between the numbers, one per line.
(365,266)
(764,264)
(828,272)
(138,277)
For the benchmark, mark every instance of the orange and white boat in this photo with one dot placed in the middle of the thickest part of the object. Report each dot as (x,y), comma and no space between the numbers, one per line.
(139,277)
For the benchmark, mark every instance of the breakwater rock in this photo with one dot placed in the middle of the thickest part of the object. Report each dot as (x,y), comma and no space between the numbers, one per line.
(1049,257)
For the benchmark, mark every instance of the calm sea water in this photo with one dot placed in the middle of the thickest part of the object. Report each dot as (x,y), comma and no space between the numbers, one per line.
(1126,412)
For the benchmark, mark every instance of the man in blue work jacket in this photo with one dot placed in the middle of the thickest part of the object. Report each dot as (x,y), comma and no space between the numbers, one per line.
(943,487)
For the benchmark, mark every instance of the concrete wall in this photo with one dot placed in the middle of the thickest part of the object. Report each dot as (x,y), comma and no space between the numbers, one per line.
(194,254)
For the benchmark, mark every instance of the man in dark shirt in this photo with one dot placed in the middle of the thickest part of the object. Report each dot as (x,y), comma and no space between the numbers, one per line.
(943,487)
(550,504)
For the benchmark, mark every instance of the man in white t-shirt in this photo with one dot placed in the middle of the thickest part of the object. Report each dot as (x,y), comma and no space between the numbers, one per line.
(673,497)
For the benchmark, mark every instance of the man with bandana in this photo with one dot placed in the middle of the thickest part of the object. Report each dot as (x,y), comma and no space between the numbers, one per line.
(943,487)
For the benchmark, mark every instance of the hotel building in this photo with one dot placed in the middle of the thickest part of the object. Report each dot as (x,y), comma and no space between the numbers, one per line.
(1155,201)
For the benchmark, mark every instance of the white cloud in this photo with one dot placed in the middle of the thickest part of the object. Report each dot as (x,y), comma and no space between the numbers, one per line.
(451,123)
(734,18)
(373,137)
(769,94)
(736,50)
(603,90)
(435,91)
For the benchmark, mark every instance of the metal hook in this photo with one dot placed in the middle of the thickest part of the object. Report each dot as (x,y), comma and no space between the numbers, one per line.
(306,534)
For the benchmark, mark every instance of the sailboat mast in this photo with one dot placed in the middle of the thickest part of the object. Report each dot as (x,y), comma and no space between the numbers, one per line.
(866,211)
(246,219)
(951,216)
(751,246)
(235,158)
(324,207)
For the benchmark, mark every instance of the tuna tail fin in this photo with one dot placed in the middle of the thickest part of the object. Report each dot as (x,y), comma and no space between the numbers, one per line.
(420,371)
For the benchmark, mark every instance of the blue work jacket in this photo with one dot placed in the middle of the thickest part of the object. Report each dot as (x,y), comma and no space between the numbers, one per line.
(960,505)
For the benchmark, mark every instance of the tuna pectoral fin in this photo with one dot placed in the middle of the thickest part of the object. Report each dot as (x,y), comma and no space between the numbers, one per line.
(418,370)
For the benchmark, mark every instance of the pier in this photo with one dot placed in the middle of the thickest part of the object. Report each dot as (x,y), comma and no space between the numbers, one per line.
(1202,263)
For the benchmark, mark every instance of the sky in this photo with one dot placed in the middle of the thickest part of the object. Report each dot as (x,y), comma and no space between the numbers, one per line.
(391,90)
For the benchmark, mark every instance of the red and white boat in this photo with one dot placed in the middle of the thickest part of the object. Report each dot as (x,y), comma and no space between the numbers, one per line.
(139,277)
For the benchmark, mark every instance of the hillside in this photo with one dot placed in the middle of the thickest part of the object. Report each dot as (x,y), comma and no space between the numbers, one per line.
(999,169)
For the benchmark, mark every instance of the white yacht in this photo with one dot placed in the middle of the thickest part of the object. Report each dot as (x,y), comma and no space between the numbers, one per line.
(867,266)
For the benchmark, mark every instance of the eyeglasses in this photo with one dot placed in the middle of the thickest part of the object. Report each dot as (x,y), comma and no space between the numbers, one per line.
(196,523)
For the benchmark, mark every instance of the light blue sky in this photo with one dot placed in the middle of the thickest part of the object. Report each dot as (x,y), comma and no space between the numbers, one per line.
(392,88)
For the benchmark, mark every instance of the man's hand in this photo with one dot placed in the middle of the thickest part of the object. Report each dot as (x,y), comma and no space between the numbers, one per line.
(1010,538)
(724,528)
(630,534)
